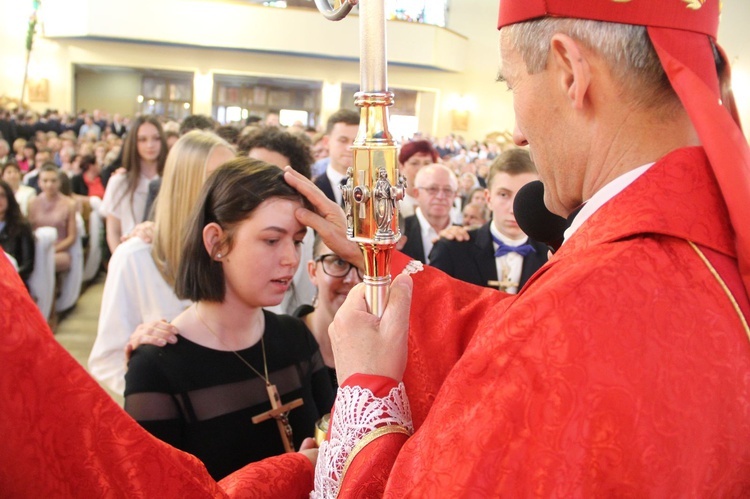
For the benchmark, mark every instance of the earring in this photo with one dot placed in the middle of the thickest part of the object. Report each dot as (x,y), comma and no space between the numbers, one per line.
(218,256)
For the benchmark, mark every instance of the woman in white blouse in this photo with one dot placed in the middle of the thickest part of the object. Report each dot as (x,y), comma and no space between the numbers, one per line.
(124,204)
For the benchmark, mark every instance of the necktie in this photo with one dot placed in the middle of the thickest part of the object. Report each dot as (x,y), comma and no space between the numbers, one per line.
(503,249)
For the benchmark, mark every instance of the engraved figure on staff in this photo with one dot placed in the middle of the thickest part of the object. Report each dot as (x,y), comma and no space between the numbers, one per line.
(384,204)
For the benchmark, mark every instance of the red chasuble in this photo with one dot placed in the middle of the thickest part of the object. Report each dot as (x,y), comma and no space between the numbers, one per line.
(622,369)
(63,436)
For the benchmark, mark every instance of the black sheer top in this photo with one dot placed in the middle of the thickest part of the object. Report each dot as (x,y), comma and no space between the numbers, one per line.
(301,312)
(202,400)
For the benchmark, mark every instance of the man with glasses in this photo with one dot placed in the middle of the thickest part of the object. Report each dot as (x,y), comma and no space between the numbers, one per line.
(436,189)
(498,254)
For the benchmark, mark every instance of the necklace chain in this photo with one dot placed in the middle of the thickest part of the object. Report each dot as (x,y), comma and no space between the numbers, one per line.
(262,344)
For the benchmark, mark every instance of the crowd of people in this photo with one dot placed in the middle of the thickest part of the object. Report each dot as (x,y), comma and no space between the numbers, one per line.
(177,200)
(621,367)
(90,149)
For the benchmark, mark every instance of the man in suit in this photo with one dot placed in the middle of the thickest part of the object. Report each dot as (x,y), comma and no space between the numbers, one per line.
(341,130)
(436,187)
(117,126)
(498,254)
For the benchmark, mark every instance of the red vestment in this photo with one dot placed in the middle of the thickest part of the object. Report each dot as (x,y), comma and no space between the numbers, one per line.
(63,436)
(621,369)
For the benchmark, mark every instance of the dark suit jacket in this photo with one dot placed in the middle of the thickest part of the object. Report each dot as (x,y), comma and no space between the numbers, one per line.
(118,130)
(78,185)
(9,132)
(474,260)
(34,182)
(325,185)
(413,233)
(21,247)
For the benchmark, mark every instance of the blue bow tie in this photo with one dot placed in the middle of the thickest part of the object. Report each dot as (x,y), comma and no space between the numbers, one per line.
(503,249)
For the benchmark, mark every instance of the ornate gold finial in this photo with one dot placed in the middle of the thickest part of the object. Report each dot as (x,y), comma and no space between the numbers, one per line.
(694,4)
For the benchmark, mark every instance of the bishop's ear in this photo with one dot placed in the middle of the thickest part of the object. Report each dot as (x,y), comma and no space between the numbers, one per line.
(571,65)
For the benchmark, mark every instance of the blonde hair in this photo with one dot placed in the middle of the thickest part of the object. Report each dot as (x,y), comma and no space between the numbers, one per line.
(184,175)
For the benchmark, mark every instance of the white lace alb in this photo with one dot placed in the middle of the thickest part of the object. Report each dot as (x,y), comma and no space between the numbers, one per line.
(357,412)
(413,267)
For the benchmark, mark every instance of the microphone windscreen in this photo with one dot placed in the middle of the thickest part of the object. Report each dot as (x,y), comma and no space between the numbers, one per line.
(535,219)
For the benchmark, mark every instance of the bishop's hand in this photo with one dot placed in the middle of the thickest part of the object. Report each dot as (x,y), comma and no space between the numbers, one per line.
(364,344)
(328,219)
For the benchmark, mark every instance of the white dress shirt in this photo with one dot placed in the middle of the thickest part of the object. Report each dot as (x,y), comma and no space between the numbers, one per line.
(603,195)
(335,178)
(428,234)
(510,265)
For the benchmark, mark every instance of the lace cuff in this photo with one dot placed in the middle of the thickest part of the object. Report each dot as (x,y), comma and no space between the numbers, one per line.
(358,419)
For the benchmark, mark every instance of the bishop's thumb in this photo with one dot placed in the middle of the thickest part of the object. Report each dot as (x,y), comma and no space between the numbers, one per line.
(399,301)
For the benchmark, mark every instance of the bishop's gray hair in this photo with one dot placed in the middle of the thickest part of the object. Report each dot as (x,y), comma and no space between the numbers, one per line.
(625,48)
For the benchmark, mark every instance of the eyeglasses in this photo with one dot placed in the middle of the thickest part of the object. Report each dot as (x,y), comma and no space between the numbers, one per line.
(434,191)
(334,266)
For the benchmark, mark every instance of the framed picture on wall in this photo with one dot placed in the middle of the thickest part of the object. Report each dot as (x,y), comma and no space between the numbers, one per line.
(38,90)
(460,120)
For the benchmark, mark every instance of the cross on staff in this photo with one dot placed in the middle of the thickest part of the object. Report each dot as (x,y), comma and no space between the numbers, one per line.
(279,412)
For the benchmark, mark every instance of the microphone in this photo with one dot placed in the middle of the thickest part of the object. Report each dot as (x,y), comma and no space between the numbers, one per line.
(535,220)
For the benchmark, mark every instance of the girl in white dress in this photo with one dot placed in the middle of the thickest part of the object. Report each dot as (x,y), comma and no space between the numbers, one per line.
(124,204)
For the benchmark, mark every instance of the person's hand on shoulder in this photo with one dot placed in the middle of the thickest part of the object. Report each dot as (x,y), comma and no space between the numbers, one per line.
(157,333)
(454,233)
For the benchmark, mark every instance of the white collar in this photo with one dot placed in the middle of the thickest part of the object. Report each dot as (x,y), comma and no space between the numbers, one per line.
(424,223)
(334,176)
(603,195)
(505,239)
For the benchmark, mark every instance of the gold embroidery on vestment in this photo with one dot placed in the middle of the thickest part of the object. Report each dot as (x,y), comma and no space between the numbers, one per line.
(724,286)
(369,438)
(694,4)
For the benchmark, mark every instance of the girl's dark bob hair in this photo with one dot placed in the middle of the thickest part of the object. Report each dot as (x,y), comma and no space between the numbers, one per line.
(228,197)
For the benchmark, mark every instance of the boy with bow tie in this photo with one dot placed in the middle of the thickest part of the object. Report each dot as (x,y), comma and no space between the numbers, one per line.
(497,254)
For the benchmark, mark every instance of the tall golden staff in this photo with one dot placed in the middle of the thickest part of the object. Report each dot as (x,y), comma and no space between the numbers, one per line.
(374,185)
